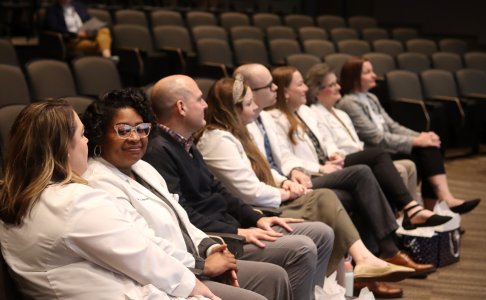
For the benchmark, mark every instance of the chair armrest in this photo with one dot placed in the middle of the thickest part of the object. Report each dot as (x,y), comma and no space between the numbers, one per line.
(131,60)
(235,242)
(214,70)
(453,105)
(475,96)
(411,113)
(267,211)
(52,45)
(178,55)
(131,65)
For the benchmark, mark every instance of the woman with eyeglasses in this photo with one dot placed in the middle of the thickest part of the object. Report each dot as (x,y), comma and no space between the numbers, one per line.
(377,129)
(61,238)
(231,155)
(338,130)
(300,133)
(118,126)
(298,127)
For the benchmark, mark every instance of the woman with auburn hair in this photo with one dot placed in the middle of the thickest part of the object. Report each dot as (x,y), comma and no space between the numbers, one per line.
(231,155)
(376,128)
(323,92)
(65,240)
(298,129)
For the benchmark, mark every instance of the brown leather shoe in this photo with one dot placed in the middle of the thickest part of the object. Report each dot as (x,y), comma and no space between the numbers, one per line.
(379,289)
(402,259)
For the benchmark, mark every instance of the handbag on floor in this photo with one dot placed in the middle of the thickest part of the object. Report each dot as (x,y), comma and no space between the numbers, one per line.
(439,245)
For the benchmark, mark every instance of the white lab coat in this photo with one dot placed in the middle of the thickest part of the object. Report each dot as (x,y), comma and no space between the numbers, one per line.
(281,155)
(144,204)
(304,148)
(330,126)
(227,160)
(79,243)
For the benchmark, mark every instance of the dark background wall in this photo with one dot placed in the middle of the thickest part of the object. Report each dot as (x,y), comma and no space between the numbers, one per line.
(464,18)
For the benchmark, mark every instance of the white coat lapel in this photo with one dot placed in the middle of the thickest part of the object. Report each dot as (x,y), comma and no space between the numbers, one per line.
(153,180)
(309,120)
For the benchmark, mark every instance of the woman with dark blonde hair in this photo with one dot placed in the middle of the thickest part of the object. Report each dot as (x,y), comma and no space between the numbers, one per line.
(337,129)
(65,240)
(376,128)
(298,129)
(231,155)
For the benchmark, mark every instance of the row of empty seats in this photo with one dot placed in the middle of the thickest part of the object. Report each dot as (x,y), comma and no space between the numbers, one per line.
(90,76)
(230,19)
(325,27)
(418,100)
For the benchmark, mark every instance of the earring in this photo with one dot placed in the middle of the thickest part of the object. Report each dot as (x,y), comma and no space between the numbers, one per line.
(97,151)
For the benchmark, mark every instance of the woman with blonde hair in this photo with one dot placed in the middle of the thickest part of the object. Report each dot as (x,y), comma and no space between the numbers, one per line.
(231,155)
(299,127)
(65,240)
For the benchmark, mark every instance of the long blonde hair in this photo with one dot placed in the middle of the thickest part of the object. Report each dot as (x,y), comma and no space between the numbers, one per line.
(222,113)
(36,155)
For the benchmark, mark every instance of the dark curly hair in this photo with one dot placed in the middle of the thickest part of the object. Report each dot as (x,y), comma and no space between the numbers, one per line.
(100,113)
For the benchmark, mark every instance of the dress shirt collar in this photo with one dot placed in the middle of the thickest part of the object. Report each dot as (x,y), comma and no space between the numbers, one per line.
(185,143)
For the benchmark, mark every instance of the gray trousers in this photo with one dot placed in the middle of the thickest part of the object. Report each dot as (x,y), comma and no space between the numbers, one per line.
(368,199)
(304,253)
(258,280)
(324,206)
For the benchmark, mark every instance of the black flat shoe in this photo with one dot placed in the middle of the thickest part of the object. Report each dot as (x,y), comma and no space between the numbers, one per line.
(433,220)
(466,206)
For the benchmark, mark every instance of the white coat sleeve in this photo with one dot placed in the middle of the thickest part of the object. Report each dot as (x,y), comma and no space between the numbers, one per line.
(100,231)
(226,159)
(197,235)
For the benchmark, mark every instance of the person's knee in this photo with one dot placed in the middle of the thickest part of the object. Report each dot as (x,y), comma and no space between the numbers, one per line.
(363,171)
(304,249)
(308,257)
(277,277)
(381,154)
(410,167)
(402,170)
(324,194)
(321,233)
(104,31)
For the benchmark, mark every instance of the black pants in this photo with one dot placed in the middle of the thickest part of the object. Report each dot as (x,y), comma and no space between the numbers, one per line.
(385,172)
(429,162)
(367,198)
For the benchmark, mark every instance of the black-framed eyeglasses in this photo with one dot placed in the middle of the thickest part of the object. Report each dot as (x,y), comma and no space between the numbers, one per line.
(124,131)
(268,86)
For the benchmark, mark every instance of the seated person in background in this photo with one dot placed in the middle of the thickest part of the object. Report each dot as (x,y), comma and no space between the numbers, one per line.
(377,129)
(298,127)
(232,157)
(368,202)
(302,249)
(67,17)
(65,240)
(336,126)
(117,126)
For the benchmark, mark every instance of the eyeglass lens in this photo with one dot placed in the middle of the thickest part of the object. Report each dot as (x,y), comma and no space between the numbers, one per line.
(125,130)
